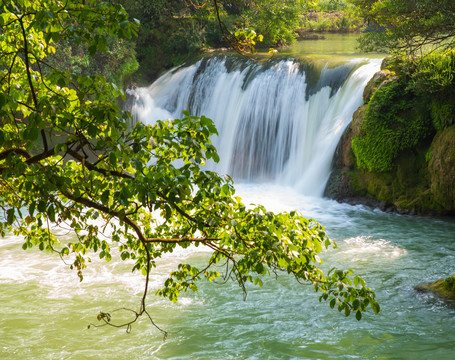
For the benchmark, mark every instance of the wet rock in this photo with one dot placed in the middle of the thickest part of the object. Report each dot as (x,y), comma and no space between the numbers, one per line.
(444,289)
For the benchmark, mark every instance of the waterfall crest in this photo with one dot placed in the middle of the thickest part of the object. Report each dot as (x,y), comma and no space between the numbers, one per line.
(278,121)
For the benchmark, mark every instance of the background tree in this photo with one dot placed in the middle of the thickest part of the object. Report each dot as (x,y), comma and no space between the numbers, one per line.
(275,20)
(168,34)
(68,158)
(408,26)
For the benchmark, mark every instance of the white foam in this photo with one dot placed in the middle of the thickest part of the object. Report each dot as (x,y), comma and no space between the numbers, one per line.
(365,248)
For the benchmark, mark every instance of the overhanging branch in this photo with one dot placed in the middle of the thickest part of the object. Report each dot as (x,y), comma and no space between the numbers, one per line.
(181,240)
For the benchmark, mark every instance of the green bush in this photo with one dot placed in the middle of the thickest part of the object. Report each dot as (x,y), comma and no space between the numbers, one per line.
(344,21)
(433,73)
(331,5)
(442,113)
(394,121)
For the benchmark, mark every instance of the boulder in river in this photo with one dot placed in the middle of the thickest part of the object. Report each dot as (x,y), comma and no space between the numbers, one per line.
(444,289)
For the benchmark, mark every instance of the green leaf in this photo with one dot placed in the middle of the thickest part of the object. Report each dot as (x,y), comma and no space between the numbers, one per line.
(11,216)
(375,306)
(358,315)
(92,130)
(62,147)
(355,304)
(113,159)
(259,268)
(31,134)
(105,196)
(51,213)
(31,208)
(3,100)
(92,50)
(42,206)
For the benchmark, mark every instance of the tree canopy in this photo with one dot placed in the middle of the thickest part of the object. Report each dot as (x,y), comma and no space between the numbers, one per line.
(408,25)
(71,158)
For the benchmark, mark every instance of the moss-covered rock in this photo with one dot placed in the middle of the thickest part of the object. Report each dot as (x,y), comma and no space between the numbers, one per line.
(406,188)
(378,80)
(399,151)
(444,289)
(442,168)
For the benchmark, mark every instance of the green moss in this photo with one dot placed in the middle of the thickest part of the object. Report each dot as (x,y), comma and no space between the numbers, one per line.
(449,285)
(442,168)
(406,187)
(442,288)
(443,112)
(394,121)
(404,111)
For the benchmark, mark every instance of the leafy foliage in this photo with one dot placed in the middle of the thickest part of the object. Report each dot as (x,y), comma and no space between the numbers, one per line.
(430,74)
(431,78)
(331,5)
(332,16)
(69,159)
(168,34)
(275,20)
(408,26)
(117,64)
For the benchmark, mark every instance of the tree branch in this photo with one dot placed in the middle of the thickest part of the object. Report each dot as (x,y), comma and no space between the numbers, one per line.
(18,151)
(181,240)
(29,76)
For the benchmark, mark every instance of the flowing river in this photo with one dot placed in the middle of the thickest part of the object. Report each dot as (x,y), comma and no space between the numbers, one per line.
(279,124)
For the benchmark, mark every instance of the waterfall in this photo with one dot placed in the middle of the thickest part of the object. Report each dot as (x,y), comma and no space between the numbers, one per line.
(278,121)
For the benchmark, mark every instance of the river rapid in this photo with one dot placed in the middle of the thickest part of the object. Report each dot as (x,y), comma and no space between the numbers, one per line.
(45,311)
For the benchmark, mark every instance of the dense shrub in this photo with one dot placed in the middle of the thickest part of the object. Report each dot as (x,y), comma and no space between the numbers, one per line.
(394,121)
(431,74)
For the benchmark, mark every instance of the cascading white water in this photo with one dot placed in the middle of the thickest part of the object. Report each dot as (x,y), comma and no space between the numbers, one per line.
(278,121)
